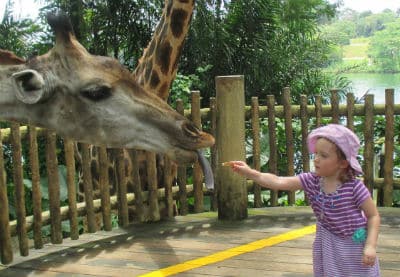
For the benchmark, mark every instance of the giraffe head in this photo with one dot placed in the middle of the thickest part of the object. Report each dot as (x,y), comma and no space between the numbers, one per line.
(92,99)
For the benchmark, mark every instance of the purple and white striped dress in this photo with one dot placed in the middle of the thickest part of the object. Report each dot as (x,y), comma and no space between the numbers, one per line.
(338,215)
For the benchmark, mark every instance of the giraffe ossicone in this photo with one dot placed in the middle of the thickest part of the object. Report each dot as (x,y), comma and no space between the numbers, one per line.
(92,99)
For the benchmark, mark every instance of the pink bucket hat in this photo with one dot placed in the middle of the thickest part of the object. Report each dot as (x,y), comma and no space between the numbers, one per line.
(343,137)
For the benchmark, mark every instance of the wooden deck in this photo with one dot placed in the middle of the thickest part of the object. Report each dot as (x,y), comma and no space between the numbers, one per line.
(200,245)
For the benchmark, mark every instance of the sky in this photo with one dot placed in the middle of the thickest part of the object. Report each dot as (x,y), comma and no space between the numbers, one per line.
(30,8)
(22,8)
(375,6)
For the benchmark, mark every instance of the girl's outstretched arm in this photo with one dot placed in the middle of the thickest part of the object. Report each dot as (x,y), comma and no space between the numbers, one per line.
(267,180)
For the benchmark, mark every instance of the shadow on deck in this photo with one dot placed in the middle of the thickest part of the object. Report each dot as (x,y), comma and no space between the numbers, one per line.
(199,245)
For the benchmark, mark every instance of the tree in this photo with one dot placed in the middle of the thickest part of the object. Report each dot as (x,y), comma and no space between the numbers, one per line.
(20,36)
(273,43)
(385,48)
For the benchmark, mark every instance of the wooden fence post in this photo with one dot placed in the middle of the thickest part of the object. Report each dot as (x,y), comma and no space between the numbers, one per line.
(255,127)
(350,111)
(88,188)
(54,188)
(318,110)
(230,139)
(288,116)
(335,106)
(214,161)
(19,190)
(6,252)
(36,190)
(273,151)
(73,211)
(389,148)
(369,143)
(182,174)
(197,172)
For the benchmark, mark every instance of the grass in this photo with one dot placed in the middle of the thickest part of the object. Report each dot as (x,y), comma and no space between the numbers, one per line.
(355,58)
(357,50)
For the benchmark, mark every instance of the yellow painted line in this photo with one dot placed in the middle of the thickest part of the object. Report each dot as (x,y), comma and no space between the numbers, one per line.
(232,252)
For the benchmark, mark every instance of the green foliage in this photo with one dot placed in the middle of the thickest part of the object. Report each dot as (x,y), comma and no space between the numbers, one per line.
(272,43)
(369,42)
(20,36)
(385,48)
(184,85)
(44,188)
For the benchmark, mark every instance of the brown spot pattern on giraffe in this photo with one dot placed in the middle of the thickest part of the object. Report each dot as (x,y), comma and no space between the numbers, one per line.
(164,56)
(178,18)
(155,79)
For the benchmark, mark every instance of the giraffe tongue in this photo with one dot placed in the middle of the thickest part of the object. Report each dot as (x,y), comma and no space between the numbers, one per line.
(205,166)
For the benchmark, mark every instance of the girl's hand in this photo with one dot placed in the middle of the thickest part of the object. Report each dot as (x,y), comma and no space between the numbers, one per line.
(239,167)
(369,256)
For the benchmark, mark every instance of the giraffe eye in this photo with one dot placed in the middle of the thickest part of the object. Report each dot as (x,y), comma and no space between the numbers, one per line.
(96,93)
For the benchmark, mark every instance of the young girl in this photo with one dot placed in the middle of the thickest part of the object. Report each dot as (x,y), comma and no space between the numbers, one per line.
(347,218)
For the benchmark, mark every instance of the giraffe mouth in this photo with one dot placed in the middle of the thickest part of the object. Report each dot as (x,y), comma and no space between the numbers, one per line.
(184,156)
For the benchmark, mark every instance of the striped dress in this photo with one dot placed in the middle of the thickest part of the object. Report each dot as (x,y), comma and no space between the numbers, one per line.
(338,214)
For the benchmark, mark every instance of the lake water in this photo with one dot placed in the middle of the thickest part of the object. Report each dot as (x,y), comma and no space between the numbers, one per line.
(375,84)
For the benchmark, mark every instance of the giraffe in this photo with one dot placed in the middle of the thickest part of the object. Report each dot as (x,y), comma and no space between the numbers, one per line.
(158,65)
(92,99)
(155,72)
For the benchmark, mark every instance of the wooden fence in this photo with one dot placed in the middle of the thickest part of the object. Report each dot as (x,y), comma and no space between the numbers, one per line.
(220,124)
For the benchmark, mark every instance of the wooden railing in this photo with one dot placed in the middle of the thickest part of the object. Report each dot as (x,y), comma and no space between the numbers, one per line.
(150,202)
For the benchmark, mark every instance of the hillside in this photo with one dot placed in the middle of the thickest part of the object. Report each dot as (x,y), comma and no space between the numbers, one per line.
(357,50)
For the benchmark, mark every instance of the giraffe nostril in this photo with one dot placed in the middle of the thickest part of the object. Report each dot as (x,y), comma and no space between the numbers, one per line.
(190,129)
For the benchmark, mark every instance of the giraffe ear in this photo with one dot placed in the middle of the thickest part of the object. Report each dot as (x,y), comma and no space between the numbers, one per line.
(9,58)
(29,86)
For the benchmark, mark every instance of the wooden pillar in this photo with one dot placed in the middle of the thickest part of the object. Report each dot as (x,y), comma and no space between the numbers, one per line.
(6,251)
(36,190)
(369,143)
(230,140)
(54,188)
(389,148)
(197,172)
(255,129)
(73,210)
(182,176)
(88,188)
(288,115)
(273,145)
(19,190)
(335,106)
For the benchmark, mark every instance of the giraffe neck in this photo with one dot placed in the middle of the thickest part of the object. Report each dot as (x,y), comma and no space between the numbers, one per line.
(157,68)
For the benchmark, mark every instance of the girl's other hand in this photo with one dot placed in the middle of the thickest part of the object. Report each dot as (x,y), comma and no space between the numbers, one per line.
(369,256)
